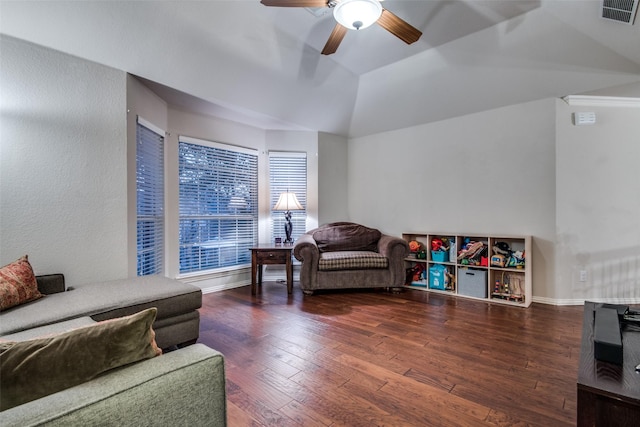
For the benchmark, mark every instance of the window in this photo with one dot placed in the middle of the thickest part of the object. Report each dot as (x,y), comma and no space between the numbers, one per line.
(288,172)
(149,198)
(218,204)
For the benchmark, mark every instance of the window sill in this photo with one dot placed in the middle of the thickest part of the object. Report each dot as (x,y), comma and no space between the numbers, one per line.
(213,274)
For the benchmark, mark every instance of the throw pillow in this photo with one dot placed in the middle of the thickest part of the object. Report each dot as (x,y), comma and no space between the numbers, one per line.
(346,236)
(36,368)
(17,284)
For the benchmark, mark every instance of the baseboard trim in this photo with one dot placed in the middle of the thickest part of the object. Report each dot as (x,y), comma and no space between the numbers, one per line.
(540,300)
(552,301)
(224,287)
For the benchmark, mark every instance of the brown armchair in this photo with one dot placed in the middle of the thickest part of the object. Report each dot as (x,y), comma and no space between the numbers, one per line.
(344,255)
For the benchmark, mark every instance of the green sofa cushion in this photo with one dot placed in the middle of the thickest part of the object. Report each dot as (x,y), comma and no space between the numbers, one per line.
(185,387)
(42,366)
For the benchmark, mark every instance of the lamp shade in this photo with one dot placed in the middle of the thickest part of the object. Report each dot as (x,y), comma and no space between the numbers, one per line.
(357,14)
(288,202)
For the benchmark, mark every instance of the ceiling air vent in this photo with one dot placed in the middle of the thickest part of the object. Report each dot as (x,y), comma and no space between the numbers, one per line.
(620,10)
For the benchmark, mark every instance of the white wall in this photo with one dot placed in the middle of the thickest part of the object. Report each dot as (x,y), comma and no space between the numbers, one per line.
(598,208)
(333,200)
(490,172)
(62,163)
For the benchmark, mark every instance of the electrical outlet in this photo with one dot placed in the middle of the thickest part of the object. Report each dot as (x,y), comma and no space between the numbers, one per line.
(583,275)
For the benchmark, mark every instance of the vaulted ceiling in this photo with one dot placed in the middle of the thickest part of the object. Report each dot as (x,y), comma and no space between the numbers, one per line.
(262,65)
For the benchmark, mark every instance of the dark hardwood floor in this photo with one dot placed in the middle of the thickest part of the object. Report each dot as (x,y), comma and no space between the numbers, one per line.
(372,358)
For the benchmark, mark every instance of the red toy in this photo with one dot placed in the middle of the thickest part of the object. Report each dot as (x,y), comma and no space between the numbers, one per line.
(418,269)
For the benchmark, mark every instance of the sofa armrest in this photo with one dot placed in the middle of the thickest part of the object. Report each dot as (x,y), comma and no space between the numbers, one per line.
(396,250)
(306,251)
(183,387)
(51,283)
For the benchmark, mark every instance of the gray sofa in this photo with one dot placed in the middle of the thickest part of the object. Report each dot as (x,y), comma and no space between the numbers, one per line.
(177,322)
(348,255)
(185,386)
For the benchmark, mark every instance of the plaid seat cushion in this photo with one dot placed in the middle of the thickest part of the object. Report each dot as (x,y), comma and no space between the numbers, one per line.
(351,260)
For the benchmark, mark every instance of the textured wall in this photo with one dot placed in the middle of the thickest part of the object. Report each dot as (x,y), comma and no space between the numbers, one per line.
(333,197)
(490,172)
(62,163)
(598,209)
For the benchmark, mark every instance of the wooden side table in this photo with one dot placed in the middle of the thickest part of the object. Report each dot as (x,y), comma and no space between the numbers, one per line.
(270,254)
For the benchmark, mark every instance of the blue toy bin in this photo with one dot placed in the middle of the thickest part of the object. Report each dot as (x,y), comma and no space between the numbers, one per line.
(437,277)
(439,256)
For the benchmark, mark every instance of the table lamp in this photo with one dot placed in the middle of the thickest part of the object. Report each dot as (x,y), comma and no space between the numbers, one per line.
(288,202)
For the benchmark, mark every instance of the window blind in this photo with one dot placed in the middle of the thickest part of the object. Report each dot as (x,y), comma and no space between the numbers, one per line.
(149,198)
(218,204)
(288,172)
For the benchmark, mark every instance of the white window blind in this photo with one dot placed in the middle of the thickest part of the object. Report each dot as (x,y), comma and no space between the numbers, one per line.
(149,198)
(288,172)
(218,204)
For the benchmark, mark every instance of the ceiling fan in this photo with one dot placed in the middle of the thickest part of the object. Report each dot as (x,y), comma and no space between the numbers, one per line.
(354,15)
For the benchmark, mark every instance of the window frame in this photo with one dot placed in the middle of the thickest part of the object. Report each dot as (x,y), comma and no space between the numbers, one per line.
(154,205)
(297,186)
(217,219)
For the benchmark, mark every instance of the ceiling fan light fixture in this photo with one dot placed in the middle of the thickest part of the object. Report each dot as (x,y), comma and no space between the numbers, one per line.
(357,14)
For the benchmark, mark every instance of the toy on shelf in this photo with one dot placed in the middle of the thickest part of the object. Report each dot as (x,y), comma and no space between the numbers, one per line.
(503,256)
(450,281)
(417,275)
(509,287)
(440,247)
(417,250)
(473,253)
(497,260)
(440,244)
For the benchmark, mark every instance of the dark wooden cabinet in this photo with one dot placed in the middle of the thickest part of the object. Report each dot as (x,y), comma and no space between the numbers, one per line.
(608,394)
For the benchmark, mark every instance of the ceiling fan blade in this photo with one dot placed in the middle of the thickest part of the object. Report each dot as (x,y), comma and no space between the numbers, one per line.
(399,28)
(295,3)
(335,38)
